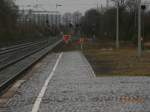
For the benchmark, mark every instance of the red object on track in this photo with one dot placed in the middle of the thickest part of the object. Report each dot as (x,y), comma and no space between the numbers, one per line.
(66,38)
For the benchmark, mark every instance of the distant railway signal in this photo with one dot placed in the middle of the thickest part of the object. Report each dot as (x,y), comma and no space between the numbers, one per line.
(58,5)
(143,7)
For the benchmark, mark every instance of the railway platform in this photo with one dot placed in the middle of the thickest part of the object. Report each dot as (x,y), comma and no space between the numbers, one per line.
(65,82)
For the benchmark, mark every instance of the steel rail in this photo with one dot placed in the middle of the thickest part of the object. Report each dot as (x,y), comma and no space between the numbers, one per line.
(17,47)
(37,46)
(13,76)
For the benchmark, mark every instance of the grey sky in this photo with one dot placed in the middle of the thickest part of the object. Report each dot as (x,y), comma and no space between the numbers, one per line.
(68,5)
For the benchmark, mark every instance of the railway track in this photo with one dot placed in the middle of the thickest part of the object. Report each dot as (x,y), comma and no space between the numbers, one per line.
(20,46)
(14,59)
(12,55)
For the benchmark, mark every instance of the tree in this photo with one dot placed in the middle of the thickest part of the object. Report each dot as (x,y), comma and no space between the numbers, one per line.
(127,18)
(90,24)
(102,23)
(8,15)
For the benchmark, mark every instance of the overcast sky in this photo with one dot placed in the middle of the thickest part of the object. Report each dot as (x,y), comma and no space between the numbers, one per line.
(67,5)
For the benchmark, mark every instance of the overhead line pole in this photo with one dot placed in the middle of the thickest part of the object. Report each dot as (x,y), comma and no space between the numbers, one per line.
(139,30)
(117,27)
(107,4)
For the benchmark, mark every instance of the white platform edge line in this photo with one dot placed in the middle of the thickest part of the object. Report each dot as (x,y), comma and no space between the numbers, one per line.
(38,100)
(92,75)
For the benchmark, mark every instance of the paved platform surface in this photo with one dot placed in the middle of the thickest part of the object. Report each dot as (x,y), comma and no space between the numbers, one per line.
(74,88)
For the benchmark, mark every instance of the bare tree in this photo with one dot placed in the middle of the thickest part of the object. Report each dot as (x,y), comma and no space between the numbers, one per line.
(8,15)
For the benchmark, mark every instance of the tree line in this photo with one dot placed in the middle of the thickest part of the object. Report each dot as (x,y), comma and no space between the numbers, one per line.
(102,22)
(14,32)
(8,16)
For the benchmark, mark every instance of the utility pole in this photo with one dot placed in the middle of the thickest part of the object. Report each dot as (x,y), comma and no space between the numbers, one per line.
(107,4)
(97,6)
(117,26)
(58,5)
(139,30)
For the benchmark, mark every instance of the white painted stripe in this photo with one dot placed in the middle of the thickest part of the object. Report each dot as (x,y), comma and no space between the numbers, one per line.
(37,103)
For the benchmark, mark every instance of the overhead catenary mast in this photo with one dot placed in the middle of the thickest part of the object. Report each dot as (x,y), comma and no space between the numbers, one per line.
(107,4)
(97,6)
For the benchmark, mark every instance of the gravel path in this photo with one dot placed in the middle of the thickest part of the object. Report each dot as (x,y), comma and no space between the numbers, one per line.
(74,88)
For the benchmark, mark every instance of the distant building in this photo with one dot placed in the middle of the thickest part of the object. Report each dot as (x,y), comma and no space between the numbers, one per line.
(51,18)
(67,19)
(76,17)
(71,18)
